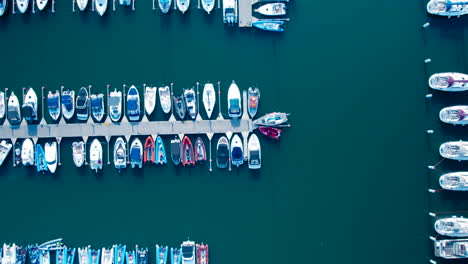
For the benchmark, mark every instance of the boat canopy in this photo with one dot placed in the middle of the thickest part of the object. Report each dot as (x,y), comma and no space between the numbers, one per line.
(132,105)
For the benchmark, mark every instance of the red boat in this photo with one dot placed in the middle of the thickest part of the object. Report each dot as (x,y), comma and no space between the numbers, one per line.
(200,150)
(148,154)
(202,254)
(271,132)
(188,157)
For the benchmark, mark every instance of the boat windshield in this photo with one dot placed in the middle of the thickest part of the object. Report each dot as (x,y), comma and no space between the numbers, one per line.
(187,252)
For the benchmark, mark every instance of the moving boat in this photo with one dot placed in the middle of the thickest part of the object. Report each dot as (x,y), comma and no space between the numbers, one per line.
(176,256)
(455,150)
(188,252)
(254,154)
(51,156)
(61,256)
(161,254)
(120,154)
(22,5)
(68,103)
(133,104)
(27,152)
(191,102)
(200,150)
(119,254)
(5,149)
(254,97)
(165,98)
(2,105)
(14,113)
(115,105)
(237,151)
(183,5)
(150,99)
(41,4)
(70,255)
(175,150)
(34,255)
(94,256)
(456,115)
(9,254)
(454,181)
(452,226)
(101,6)
(97,106)
(160,151)
(30,106)
(202,254)
(131,258)
(21,253)
(451,248)
(82,4)
(41,164)
(3,6)
(82,104)
(141,255)
(230,15)
(17,153)
(165,5)
(95,155)
(234,101)
(136,153)
(269,24)
(272,119)
(209,99)
(79,153)
(208,5)
(44,256)
(449,81)
(271,132)
(447,7)
(84,256)
(272,9)
(179,106)
(222,153)
(107,256)
(53,104)
(188,156)
(149,152)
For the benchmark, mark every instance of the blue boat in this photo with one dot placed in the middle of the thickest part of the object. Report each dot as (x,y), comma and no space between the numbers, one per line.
(119,254)
(269,25)
(70,255)
(21,253)
(61,256)
(160,151)
(41,164)
(68,104)
(97,106)
(94,256)
(136,153)
(161,254)
(33,254)
(133,104)
(82,104)
(176,256)
(131,258)
(53,104)
(44,256)
(141,255)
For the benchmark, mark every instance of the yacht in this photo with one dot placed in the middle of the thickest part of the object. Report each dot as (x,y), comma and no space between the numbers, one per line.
(454,181)
(97,106)
(455,150)
(161,254)
(165,5)
(120,154)
(41,164)
(22,5)
(209,99)
(3,6)
(222,153)
(27,152)
(82,4)
(83,255)
(51,156)
(254,97)
(95,155)
(53,104)
(2,105)
(456,115)
(447,7)
(165,99)
(68,104)
(175,150)
(183,5)
(234,101)
(136,153)
(41,4)
(176,256)
(115,105)
(191,102)
(208,5)
(79,153)
(119,254)
(272,119)
(101,6)
(274,25)
(133,104)
(230,15)
(150,99)
(5,149)
(179,106)
(9,254)
(451,248)
(452,226)
(188,252)
(237,151)
(149,155)
(82,104)
(14,113)
(160,152)
(254,152)
(44,256)
(272,9)
(449,81)
(107,256)
(29,108)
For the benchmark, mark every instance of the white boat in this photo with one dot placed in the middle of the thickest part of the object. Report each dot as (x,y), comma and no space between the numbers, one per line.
(230,13)
(191,102)
(449,81)
(120,154)
(451,248)
(456,115)
(51,156)
(68,103)
(27,152)
(53,104)
(84,255)
(101,6)
(95,155)
(97,106)
(183,5)
(115,105)
(29,107)
(2,105)
(234,101)
(208,5)
(209,99)
(150,99)
(107,256)
(188,252)
(125,2)
(254,154)
(165,99)
(447,7)
(455,150)
(272,9)
(13,112)
(82,4)
(22,5)
(5,149)
(452,226)
(165,5)
(454,181)
(272,119)
(237,151)
(79,153)
(136,153)
(41,4)
(9,254)
(3,6)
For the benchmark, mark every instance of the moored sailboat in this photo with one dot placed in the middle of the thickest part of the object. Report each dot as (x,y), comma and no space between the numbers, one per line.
(41,4)
(209,99)
(183,5)
(101,6)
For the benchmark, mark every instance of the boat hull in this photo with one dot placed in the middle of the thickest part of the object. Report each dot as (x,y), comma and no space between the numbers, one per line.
(208,5)
(165,5)
(95,155)
(2,105)
(183,5)
(120,154)
(165,99)
(150,99)
(188,155)
(22,5)
(440,8)
(41,4)
(444,81)
(41,164)
(53,105)
(454,181)
(51,156)
(455,150)
(175,150)
(451,248)
(101,6)
(200,150)
(272,9)
(13,110)
(27,152)
(452,226)
(68,104)
(254,98)
(82,4)
(234,101)
(254,154)
(136,154)
(82,104)
(115,105)
(3,8)
(222,153)
(149,153)
(133,104)
(237,151)
(79,153)
(209,99)
(5,149)
(160,151)
(191,103)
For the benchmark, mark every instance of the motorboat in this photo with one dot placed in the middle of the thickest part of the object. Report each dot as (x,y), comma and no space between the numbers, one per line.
(176,256)
(95,155)
(150,99)
(107,256)
(175,150)
(5,149)
(9,255)
(234,101)
(456,115)
(449,81)
(68,103)
(70,255)
(13,113)
(149,150)
(269,24)
(101,6)
(165,99)
(125,2)
(451,248)
(452,226)
(222,153)
(136,153)
(161,254)
(41,164)
(183,5)
(84,255)
(454,181)
(97,106)
(115,105)
(2,105)
(160,151)
(447,7)
(119,254)
(208,5)
(44,256)
(33,252)
(188,155)
(94,256)
(41,4)
(133,104)
(209,99)
(165,5)
(21,253)
(82,4)
(455,150)
(202,254)
(61,256)
(51,156)
(22,5)
(271,132)
(254,152)
(179,106)
(120,154)
(3,6)
(191,102)
(200,150)
(130,257)
(272,9)
(188,252)
(272,119)
(230,13)
(79,153)
(141,255)
(27,152)
(53,104)
(254,98)
(29,107)
(17,150)
(82,104)
(237,151)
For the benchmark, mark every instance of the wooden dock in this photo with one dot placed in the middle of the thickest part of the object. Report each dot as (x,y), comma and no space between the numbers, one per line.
(245,13)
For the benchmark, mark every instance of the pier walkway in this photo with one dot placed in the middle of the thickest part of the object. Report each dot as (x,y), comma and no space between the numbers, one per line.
(245,13)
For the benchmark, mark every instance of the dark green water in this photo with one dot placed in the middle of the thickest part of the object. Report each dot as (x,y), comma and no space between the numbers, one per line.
(346,184)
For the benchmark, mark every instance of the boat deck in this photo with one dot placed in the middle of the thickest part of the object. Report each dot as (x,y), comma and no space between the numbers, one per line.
(245,13)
